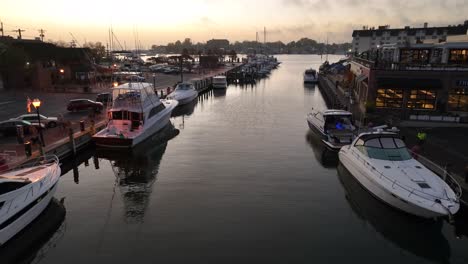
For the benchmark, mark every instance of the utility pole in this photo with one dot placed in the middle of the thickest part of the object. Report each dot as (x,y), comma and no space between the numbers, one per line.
(1,28)
(19,32)
(42,34)
(264,35)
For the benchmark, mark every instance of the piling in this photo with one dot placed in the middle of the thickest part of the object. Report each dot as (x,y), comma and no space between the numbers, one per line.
(72,140)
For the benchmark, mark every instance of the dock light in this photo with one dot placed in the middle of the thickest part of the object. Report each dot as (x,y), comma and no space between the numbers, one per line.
(61,71)
(115,65)
(37,104)
(115,84)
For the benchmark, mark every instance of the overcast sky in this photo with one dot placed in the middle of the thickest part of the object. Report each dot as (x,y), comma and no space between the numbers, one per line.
(159,22)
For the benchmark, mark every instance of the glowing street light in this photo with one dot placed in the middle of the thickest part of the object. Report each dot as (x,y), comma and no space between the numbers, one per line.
(37,104)
(62,71)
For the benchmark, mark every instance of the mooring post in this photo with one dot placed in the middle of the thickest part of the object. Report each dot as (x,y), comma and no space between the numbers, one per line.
(72,140)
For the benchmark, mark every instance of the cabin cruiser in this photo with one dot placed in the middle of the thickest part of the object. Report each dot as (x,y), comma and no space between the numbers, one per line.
(25,192)
(219,82)
(381,163)
(184,93)
(310,76)
(334,126)
(136,113)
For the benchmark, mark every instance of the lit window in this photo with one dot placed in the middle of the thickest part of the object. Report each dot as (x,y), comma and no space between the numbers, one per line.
(389,98)
(458,99)
(422,99)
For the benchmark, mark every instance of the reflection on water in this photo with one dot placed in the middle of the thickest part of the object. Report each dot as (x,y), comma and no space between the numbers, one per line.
(34,241)
(184,110)
(421,237)
(328,159)
(310,86)
(136,172)
(219,92)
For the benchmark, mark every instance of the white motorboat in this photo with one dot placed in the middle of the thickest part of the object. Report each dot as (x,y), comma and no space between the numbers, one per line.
(310,76)
(136,113)
(25,192)
(382,164)
(219,82)
(184,93)
(334,126)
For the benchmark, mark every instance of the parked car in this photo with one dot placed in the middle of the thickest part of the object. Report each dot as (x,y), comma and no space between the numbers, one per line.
(84,104)
(104,98)
(8,127)
(48,121)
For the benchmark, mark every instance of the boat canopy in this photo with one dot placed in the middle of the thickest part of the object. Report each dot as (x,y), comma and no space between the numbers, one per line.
(184,86)
(311,71)
(383,147)
(131,96)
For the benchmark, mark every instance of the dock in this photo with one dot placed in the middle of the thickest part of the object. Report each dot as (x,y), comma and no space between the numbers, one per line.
(73,139)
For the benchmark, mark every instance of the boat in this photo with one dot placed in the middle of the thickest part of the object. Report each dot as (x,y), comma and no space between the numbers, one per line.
(310,76)
(381,163)
(184,93)
(136,113)
(25,192)
(219,81)
(334,126)
(389,224)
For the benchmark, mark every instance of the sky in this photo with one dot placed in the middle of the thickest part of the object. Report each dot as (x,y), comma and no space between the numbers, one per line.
(162,21)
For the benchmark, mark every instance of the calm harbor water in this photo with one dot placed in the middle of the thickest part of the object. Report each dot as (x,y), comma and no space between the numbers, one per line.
(237,179)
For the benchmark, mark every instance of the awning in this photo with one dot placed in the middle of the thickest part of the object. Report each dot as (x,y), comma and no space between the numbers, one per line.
(404,83)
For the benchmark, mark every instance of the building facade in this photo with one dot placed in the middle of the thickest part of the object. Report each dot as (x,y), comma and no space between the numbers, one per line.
(372,38)
(421,79)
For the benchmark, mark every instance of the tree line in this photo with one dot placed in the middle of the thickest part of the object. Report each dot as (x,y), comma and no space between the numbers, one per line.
(302,46)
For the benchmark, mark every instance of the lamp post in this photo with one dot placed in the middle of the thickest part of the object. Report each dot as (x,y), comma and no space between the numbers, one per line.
(37,104)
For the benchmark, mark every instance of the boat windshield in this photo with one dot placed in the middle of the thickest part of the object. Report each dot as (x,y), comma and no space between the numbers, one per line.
(384,148)
(310,72)
(184,86)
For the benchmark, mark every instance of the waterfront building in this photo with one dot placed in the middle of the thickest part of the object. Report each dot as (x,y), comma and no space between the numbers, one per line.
(370,38)
(408,81)
(37,65)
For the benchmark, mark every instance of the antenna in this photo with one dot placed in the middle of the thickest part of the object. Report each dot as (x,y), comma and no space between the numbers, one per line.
(42,34)
(264,35)
(19,32)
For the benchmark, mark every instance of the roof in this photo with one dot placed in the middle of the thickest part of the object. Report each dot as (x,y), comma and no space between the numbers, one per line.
(455,30)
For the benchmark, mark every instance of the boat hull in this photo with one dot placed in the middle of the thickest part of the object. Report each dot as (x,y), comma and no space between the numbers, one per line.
(324,137)
(24,217)
(366,179)
(186,100)
(117,142)
(219,85)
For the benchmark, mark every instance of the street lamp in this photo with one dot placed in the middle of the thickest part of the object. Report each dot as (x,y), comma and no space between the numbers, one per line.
(37,104)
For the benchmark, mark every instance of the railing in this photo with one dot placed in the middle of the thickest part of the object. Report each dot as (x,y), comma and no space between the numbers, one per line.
(398,66)
(410,190)
(441,172)
(42,160)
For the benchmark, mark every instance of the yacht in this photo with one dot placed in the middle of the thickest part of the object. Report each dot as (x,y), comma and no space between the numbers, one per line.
(25,192)
(334,126)
(219,82)
(184,93)
(310,76)
(136,113)
(381,163)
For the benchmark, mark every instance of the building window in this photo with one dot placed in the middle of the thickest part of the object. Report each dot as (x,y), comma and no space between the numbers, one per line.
(389,98)
(419,56)
(422,99)
(458,56)
(458,99)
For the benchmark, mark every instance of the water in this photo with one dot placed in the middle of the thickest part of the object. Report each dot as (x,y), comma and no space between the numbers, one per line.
(238,179)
